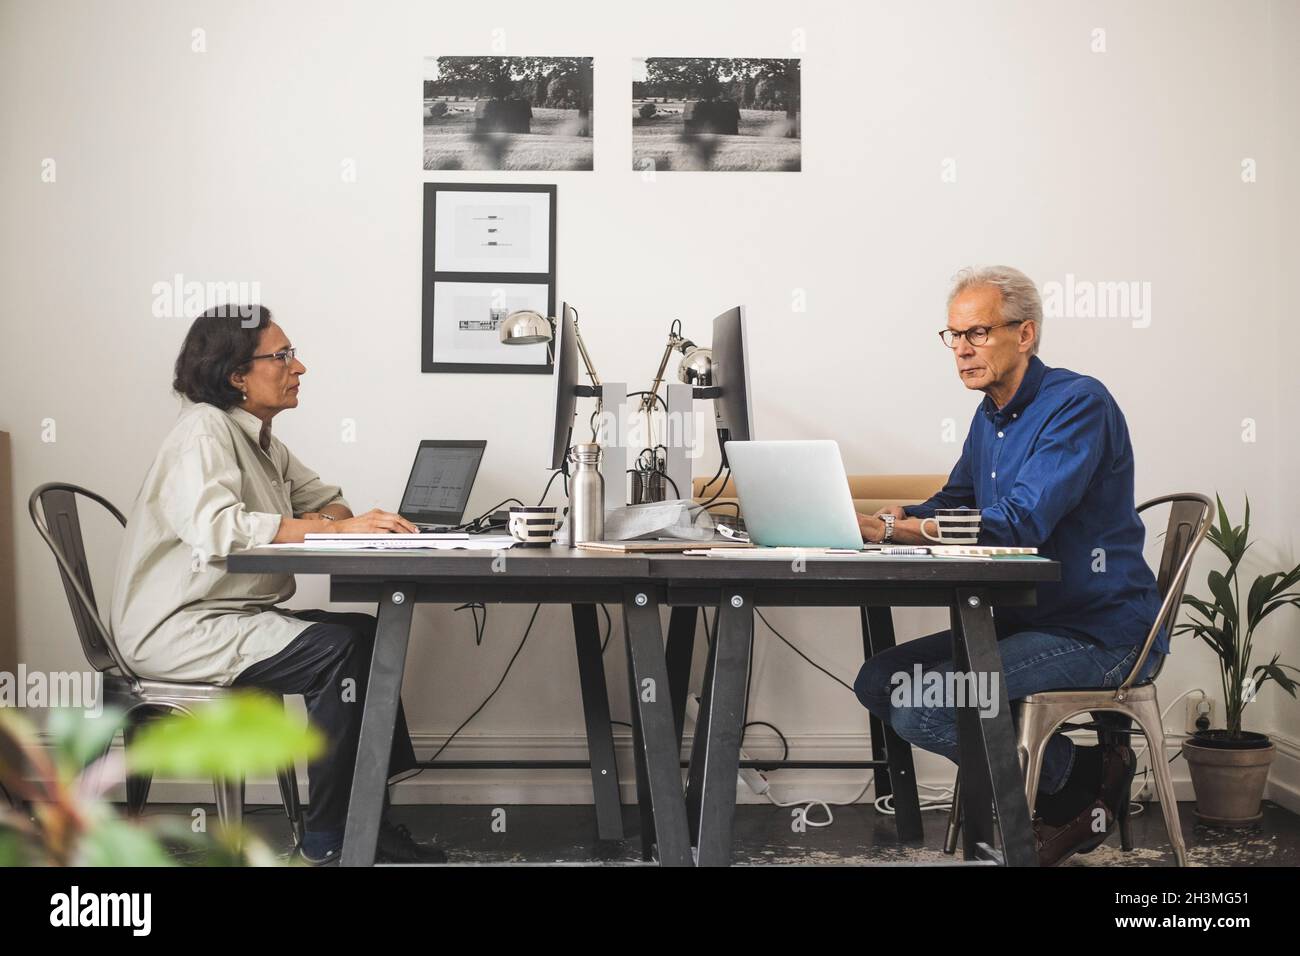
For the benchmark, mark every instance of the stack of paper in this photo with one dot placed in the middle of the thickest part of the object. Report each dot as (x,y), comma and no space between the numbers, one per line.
(486,542)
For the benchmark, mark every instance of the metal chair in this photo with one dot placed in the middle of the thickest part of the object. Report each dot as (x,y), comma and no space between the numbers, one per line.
(1115,709)
(142,699)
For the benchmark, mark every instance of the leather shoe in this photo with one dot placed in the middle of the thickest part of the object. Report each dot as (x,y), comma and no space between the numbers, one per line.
(396,845)
(1080,835)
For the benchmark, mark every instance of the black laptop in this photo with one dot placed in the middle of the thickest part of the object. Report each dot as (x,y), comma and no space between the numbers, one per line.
(441,479)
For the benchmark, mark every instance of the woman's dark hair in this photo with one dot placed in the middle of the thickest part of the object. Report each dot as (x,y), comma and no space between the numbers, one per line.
(222,341)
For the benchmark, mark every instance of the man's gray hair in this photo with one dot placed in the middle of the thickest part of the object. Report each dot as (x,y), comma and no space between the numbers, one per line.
(1020,299)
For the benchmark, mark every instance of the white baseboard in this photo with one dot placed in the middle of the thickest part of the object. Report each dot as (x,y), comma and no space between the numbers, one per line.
(551,787)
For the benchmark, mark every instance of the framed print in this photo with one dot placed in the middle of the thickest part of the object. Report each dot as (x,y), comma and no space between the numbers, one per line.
(708,114)
(492,231)
(489,249)
(508,112)
(466,319)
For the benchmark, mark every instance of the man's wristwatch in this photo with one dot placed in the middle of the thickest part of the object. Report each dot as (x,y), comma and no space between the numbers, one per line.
(888,519)
(327,517)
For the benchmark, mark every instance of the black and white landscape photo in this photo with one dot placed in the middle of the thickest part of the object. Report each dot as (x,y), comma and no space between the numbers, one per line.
(736,114)
(507,112)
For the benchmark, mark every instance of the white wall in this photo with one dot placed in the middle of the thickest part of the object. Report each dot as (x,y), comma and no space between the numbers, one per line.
(1118,166)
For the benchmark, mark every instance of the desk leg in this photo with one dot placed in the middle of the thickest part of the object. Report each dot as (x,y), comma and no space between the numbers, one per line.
(644,803)
(991,774)
(370,774)
(600,736)
(681,649)
(900,779)
(658,755)
(715,758)
(699,747)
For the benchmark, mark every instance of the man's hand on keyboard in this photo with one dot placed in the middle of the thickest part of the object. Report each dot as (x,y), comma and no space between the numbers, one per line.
(872,528)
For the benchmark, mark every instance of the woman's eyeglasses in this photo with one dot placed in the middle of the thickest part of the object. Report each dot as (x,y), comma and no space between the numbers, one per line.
(284,355)
(975,336)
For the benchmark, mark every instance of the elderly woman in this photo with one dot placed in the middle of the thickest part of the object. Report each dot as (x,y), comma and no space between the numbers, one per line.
(221,482)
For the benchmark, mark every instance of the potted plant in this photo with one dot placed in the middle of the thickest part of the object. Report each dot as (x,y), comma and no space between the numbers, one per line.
(61,817)
(1229,767)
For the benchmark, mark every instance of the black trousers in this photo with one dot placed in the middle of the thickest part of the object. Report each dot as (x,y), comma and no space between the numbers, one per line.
(329,664)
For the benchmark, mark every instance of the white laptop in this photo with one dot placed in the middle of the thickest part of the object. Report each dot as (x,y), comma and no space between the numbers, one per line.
(794,494)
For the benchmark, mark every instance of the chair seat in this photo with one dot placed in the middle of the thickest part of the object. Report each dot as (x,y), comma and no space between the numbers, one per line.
(116,684)
(1098,695)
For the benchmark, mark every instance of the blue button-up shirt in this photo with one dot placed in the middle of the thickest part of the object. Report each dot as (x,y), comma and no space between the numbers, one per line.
(1053,469)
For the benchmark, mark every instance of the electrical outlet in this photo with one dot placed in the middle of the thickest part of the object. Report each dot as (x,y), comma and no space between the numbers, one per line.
(1198,707)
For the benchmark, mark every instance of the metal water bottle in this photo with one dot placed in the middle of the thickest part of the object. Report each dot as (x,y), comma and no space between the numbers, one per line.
(586,495)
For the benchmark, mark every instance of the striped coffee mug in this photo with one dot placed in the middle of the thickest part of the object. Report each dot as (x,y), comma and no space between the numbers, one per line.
(954,526)
(535,527)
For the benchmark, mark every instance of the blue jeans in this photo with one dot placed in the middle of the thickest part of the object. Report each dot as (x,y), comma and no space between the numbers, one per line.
(1032,661)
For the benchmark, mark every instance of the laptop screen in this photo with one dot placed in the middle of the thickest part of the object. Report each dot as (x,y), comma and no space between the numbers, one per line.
(441,479)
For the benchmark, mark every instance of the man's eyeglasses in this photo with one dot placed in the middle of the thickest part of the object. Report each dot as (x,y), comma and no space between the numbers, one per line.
(975,336)
(284,355)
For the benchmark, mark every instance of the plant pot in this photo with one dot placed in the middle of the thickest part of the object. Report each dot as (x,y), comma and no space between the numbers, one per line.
(1228,776)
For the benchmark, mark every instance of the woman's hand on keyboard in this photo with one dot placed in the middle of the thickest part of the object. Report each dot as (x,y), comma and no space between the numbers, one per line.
(374,521)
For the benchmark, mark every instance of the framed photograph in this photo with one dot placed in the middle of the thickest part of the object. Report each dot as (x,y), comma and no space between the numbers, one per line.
(508,112)
(489,249)
(716,114)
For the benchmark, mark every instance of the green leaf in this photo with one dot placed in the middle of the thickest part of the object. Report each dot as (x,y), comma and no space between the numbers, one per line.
(1287,581)
(1210,634)
(1217,640)
(12,848)
(1291,599)
(1259,592)
(1207,610)
(1225,525)
(116,842)
(79,738)
(1284,680)
(1222,592)
(239,735)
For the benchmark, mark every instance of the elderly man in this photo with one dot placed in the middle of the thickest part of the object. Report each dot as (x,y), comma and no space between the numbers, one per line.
(1048,464)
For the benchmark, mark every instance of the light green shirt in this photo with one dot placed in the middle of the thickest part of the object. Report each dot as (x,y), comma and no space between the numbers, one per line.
(220,483)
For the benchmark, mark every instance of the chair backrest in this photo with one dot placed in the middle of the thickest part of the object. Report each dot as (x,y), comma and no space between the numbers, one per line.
(59,524)
(1190,515)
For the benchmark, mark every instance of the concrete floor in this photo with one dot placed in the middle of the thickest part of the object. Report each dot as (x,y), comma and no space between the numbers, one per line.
(764,836)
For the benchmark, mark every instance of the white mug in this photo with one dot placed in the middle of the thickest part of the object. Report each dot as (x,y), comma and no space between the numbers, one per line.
(954,526)
(535,526)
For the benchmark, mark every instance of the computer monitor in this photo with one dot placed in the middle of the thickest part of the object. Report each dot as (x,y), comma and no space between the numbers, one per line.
(441,479)
(731,410)
(566,385)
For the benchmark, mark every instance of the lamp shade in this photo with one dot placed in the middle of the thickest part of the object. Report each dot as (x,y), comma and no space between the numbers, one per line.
(696,367)
(525,327)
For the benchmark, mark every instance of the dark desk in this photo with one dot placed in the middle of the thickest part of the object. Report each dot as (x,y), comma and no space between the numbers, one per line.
(397,580)
(970,589)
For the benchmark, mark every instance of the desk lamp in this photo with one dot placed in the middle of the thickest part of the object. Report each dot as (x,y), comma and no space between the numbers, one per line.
(696,367)
(526,327)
